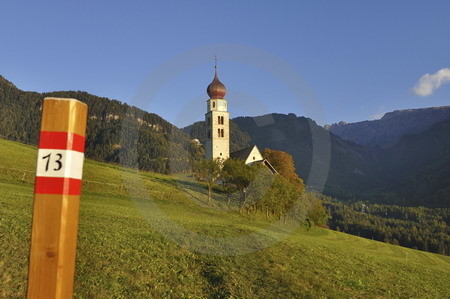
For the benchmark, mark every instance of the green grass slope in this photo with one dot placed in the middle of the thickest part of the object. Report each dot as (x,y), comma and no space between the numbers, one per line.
(146,235)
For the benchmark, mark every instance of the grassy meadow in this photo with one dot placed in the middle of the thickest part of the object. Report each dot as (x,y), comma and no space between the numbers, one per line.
(148,235)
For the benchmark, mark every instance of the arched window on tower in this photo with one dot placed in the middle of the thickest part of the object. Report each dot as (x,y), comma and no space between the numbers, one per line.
(221,118)
(221,133)
(218,133)
(214,104)
(218,120)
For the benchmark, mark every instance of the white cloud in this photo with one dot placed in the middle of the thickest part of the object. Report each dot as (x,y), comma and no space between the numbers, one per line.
(379,114)
(428,83)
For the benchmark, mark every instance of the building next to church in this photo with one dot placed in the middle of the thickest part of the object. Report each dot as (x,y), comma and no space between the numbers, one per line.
(217,119)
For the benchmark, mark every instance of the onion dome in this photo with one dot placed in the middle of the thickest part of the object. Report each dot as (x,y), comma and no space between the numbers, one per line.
(216,90)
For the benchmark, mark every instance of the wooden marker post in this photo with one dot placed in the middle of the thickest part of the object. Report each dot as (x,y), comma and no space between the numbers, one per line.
(56,199)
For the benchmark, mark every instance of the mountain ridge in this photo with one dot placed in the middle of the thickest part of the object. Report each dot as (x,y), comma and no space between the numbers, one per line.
(387,131)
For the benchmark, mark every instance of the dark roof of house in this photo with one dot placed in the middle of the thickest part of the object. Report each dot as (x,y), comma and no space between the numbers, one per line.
(272,169)
(243,153)
(266,163)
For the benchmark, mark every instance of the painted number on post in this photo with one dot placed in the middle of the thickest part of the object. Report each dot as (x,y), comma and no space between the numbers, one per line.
(59,163)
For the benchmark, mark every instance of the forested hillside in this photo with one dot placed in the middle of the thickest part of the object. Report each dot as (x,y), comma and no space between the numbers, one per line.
(415,227)
(417,169)
(116,132)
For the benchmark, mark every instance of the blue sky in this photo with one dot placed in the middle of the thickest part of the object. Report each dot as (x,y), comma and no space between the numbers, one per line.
(341,60)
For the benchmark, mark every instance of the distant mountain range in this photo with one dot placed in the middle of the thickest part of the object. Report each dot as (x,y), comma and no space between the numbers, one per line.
(403,158)
(388,130)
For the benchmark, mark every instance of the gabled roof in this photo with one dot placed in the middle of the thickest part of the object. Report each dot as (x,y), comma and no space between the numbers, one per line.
(243,153)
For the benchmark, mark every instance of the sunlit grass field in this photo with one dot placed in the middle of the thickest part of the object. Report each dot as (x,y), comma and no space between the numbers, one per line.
(148,235)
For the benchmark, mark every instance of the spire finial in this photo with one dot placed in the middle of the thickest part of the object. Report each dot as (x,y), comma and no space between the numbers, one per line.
(216,90)
(215,66)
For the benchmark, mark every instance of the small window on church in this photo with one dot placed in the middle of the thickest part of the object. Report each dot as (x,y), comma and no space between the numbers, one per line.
(218,132)
(254,158)
(218,120)
(221,132)
(214,104)
(221,154)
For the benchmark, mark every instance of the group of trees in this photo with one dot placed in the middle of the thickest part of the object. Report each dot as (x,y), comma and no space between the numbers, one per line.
(415,227)
(279,195)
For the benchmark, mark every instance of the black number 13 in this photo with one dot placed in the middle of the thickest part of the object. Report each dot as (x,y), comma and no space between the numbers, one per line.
(58,161)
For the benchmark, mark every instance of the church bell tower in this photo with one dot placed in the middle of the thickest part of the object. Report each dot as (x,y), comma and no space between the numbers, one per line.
(217,143)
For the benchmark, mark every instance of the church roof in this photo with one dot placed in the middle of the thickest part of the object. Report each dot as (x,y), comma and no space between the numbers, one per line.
(243,153)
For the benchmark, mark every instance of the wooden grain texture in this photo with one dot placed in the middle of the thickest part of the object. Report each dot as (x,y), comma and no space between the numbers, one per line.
(53,246)
(64,115)
(55,216)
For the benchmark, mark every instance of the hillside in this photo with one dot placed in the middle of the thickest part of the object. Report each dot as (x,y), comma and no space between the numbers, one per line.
(146,235)
(418,167)
(116,132)
(388,130)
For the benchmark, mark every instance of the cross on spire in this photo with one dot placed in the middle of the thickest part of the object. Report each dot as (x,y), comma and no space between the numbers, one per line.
(215,66)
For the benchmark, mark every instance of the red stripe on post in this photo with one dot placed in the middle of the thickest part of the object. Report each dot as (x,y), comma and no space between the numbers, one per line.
(61,140)
(50,185)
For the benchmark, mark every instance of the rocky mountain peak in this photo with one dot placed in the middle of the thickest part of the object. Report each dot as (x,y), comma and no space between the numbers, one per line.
(388,130)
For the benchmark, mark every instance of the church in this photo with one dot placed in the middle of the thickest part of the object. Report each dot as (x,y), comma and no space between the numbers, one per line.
(217,119)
